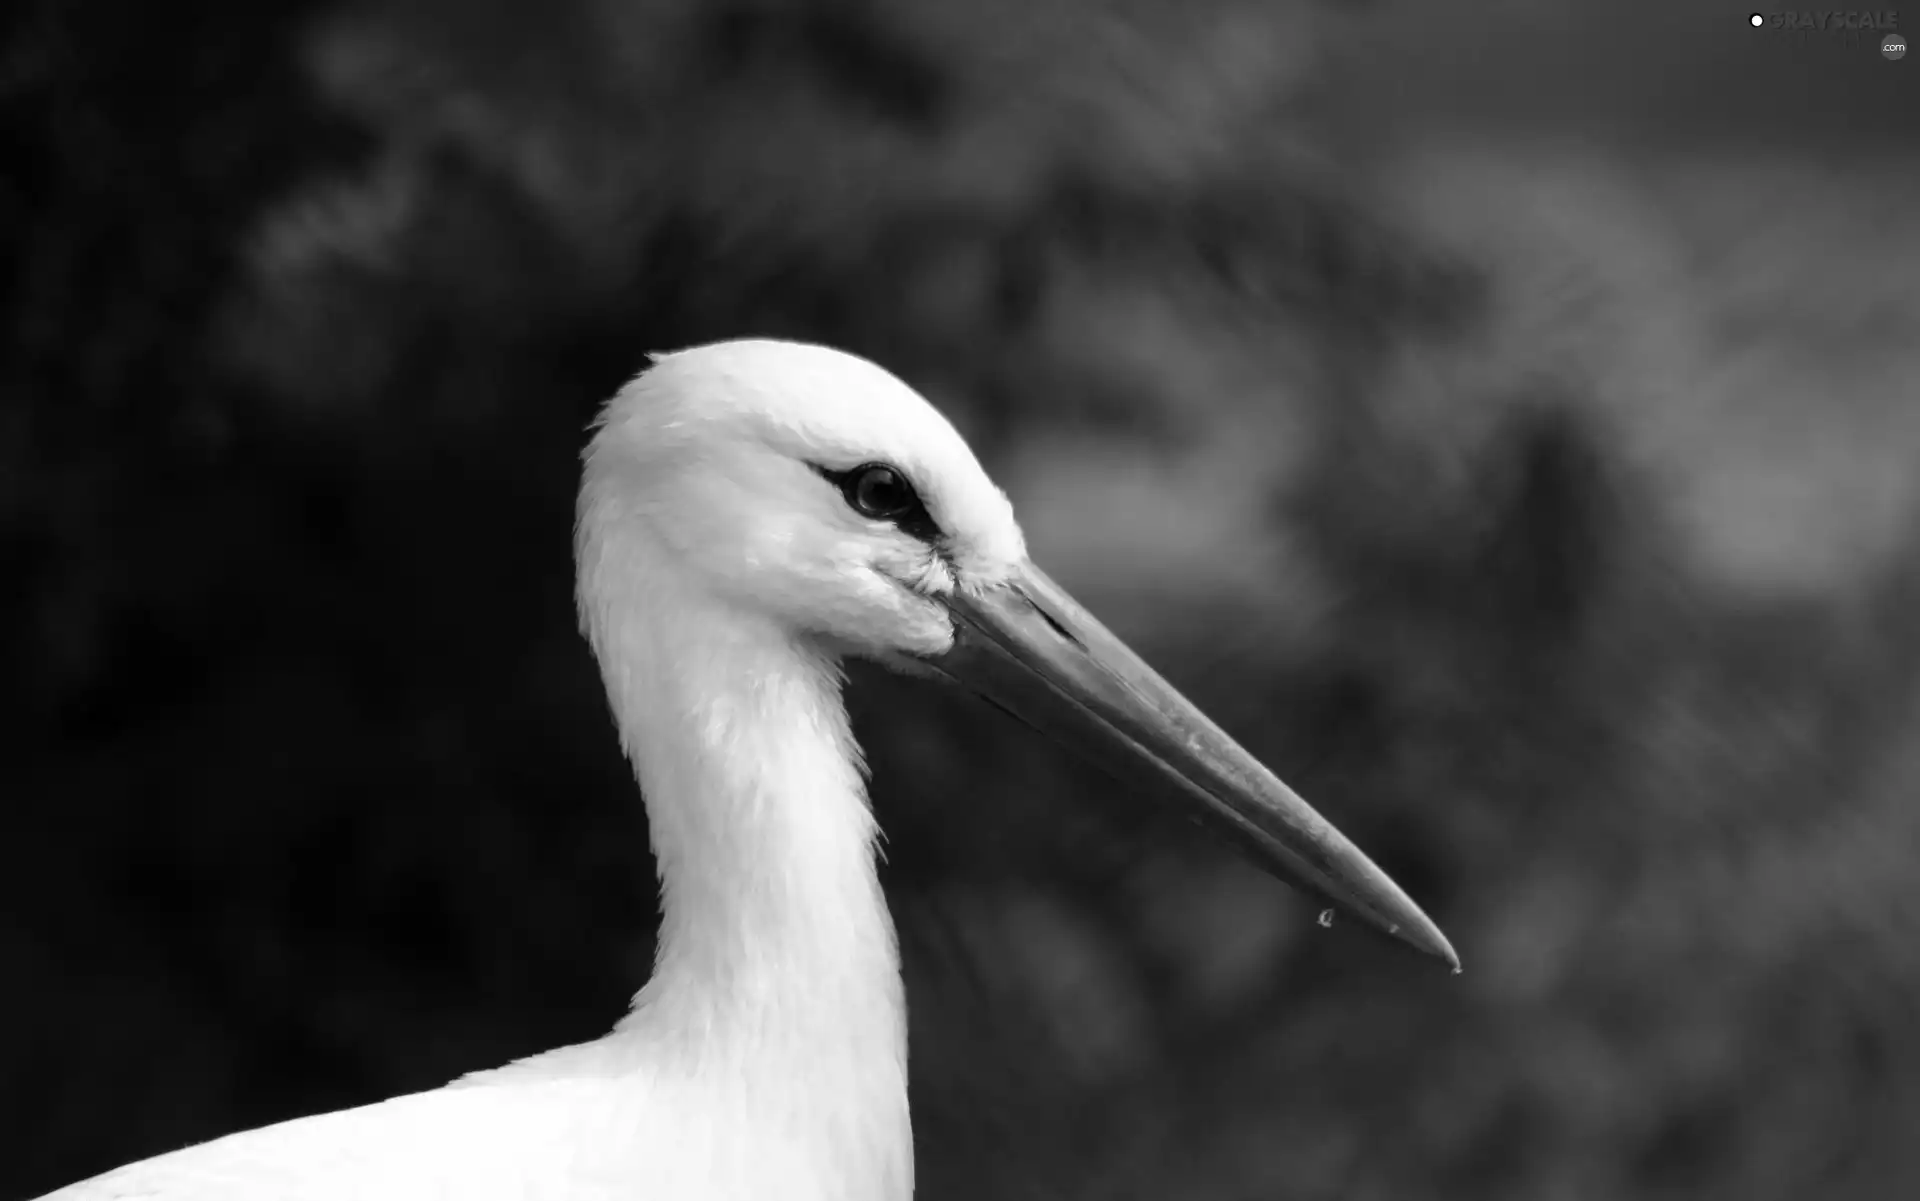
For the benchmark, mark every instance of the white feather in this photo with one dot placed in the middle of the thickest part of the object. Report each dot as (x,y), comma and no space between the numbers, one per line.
(766,1057)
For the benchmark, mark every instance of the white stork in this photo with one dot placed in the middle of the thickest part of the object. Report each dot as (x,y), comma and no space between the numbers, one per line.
(751,512)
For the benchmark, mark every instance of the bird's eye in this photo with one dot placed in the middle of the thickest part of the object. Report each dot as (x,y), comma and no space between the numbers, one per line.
(877,491)
(880,492)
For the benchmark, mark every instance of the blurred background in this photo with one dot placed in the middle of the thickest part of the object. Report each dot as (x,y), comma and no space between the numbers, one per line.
(1502,417)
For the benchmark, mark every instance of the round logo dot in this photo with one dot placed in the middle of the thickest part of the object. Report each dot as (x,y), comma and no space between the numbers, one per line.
(1894,46)
(1756,20)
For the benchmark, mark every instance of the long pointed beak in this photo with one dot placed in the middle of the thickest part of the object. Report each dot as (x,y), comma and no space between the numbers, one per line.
(1030,649)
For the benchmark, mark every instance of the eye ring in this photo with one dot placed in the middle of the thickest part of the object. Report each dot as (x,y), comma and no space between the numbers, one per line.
(881,492)
(877,491)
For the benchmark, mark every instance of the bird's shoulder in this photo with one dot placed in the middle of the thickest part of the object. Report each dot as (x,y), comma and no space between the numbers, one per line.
(508,1137)
(578,1124)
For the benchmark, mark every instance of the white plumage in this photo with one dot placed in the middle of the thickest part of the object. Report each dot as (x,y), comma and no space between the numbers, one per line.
(728,556)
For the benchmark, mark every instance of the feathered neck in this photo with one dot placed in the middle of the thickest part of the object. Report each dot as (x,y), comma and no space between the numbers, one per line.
(760,825)
(777,964)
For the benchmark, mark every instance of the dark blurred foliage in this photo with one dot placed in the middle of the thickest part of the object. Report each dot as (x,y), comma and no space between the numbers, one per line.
(1530,475)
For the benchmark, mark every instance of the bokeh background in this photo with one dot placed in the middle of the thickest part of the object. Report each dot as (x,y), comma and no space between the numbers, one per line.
(1503,417)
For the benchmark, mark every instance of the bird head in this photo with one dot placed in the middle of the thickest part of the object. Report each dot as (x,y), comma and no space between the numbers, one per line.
(824,493)
(809,484)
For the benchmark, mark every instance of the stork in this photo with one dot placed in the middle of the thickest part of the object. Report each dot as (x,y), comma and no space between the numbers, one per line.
(751,513)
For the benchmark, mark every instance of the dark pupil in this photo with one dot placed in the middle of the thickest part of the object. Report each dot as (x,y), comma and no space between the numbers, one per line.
(880,492)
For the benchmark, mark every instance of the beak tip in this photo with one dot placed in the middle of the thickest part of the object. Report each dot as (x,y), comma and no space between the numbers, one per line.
(1383,904)
(1426,937)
